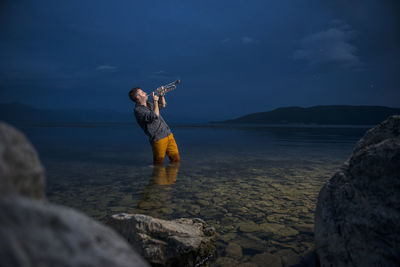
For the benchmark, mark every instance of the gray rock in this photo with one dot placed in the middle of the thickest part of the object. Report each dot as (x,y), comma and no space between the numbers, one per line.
(358,210)
(387,129)
(20,169)
(34,233)
(181,242)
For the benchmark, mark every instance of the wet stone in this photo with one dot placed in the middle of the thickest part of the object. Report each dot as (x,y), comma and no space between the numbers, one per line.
(226,262)
(274,218)
(250,244)
(118,209)
(288,231)
(228,228)
(126,200)
(233,250)
(167,211)
(292,219)
(248,264)
(260,215)
(203,195)
(304,228)
(209,213)
(227,220)
(238,209)
(288,257)
(285,245)
(254,237)
(228,237)
(248,227)
(267,259)
(203,202)
(222,210)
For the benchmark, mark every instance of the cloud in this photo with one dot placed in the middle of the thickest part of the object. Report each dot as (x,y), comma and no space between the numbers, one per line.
(161,74)
(248,40)
(106,68)
(331,46)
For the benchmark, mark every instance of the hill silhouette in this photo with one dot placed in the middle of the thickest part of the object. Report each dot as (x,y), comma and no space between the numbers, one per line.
(327,115)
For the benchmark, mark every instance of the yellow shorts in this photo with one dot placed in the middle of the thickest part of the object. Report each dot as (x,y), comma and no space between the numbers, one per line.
(164,146)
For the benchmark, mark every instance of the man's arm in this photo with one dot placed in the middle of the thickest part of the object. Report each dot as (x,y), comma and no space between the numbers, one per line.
(162,103)
(155,102)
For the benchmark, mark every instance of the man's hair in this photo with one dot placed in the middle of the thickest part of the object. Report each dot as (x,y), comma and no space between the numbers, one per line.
(133,93)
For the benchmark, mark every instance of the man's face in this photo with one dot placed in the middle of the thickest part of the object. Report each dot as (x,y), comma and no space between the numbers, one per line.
(142,95)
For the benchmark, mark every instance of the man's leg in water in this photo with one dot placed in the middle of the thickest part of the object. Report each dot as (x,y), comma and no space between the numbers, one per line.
(165,176)
(159,148)
(172,149)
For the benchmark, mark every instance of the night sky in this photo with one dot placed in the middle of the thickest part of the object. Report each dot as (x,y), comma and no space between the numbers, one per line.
(233,57)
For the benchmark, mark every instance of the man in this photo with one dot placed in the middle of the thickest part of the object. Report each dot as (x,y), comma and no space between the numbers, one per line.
(148,117)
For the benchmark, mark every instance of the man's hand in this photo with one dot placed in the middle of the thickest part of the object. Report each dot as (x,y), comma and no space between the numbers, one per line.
(155,97)
(161,91)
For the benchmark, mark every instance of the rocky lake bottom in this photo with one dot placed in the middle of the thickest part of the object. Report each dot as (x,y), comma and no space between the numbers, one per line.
(259,194)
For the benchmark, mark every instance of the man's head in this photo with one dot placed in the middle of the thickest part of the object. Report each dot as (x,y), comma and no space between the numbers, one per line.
(137,95)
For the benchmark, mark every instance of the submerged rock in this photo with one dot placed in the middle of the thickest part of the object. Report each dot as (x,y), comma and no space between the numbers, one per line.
(181,242)
(288,257)
(226,262)
(358,211)
(20,169)
(267,259)
(34,233)
(234,250)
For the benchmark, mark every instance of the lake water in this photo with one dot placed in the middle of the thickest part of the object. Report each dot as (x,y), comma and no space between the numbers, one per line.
(258,186)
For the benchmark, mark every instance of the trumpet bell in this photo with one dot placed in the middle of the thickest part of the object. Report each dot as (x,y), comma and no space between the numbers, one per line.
(166,88)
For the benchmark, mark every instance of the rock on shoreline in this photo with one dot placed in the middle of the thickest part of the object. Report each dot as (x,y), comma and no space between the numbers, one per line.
(180,242)
(357,219)
(20,169)
(34,233)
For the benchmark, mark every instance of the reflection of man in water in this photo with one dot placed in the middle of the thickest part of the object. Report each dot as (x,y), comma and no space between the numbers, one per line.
(148,117)
(155,199)
(165,176)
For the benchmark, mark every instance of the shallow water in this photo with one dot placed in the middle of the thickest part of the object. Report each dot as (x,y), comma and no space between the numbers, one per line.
(258,186)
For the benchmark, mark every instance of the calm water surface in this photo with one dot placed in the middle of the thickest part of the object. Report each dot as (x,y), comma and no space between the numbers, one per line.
(257,186)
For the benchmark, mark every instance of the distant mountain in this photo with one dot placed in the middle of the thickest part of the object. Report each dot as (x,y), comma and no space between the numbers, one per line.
(328,115)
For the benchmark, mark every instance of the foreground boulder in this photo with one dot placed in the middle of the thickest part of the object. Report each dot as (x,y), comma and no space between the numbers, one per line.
(181,242)
(20,169)
(34,233)
(357,220)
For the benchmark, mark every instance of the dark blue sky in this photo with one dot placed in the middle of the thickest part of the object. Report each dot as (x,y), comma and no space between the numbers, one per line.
(233,57)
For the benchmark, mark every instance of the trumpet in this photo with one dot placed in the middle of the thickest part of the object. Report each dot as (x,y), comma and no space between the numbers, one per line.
(165,88)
